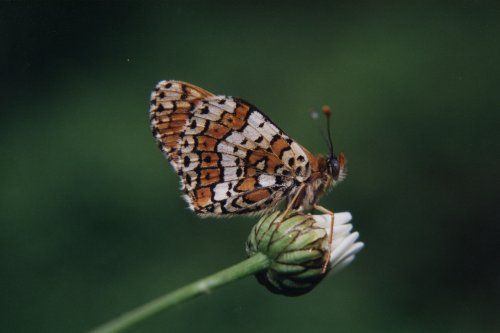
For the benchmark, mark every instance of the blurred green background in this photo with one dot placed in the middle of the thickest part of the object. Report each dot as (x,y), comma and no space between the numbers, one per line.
(92,222)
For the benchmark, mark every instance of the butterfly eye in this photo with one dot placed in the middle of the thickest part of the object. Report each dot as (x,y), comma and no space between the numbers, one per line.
(334,166)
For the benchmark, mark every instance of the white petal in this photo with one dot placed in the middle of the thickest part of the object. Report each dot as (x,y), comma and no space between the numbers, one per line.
(339,252)
(342,218)
(341,229)
(322,221)
(343,264)
(355,248)
(344,245)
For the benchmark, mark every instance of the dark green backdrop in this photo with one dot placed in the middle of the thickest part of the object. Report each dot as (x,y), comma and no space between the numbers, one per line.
(92,223)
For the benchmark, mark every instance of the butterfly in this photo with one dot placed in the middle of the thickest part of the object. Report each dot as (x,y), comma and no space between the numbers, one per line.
(231,158)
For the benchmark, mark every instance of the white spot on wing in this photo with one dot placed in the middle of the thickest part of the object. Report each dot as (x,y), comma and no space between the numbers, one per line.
(251,133)
(214,113)
(200,126)
(227,148)
(228,106)
(192,184)
(235,138)
(193,161)
(220,191)
(298,151)
(267,130)
(255,119)
(189,201)
(229,160)
(187,144)
(270,130)
(267,180)
(261,165)
(230,173)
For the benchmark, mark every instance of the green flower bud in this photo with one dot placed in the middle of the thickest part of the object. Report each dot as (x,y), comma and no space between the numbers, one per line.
(298,248)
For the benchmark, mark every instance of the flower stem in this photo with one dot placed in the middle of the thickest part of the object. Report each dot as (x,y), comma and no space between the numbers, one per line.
(247,267)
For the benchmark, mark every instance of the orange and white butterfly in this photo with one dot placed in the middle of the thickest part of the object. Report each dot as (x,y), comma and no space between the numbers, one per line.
(231,158)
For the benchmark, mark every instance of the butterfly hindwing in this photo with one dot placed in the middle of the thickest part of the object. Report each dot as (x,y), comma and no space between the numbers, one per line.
(231,158)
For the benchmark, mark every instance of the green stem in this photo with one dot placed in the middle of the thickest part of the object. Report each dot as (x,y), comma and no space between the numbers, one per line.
(247,267)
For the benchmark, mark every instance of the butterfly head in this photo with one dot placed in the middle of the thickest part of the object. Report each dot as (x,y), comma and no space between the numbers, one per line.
(335,164)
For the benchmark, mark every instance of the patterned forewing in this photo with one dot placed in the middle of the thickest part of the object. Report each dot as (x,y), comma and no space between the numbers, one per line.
(231,158)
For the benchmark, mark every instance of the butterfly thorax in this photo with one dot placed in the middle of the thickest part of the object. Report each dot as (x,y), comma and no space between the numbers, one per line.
(320,182)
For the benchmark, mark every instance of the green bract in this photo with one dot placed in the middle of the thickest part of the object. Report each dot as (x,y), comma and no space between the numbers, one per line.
(297,248)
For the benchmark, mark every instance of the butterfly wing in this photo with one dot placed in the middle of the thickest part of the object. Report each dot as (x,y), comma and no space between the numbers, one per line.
(231,158)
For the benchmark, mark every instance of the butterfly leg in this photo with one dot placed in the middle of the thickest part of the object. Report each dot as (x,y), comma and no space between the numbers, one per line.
(292,202)
(330,239)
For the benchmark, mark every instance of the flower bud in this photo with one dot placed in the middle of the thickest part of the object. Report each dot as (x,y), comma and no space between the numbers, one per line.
(298,246)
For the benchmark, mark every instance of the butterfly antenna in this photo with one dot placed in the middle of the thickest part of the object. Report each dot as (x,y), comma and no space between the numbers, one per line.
(315,117)
(327,111)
